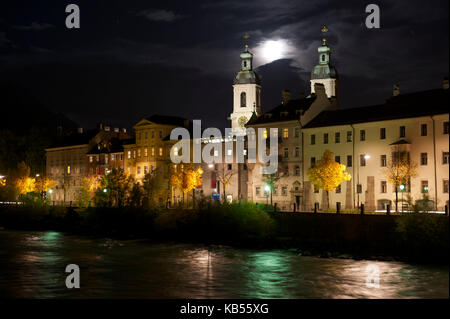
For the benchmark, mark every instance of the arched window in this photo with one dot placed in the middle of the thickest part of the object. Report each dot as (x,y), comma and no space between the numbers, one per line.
(243,99)
(245,64)
(323,57)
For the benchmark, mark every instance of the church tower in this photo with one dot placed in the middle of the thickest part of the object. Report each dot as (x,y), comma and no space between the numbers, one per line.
(246,91)
(324,72)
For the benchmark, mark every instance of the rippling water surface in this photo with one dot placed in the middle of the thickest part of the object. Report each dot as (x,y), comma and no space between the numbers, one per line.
(32,265)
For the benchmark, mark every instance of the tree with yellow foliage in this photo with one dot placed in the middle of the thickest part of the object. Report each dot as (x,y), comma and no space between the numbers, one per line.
(399,171)
(43,184)
(21,180)
(328,174)
(186,179)
(86,193)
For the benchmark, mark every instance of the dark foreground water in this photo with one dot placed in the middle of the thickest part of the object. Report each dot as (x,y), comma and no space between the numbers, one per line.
(32,265)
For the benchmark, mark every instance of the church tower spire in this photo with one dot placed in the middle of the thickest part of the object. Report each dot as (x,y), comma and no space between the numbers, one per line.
(324,72)
(246,91)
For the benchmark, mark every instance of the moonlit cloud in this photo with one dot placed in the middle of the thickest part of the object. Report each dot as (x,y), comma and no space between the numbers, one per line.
(270,50)
(160,15)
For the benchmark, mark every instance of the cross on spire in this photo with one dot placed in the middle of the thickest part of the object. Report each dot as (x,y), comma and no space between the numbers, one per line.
(324,30)
(246,36)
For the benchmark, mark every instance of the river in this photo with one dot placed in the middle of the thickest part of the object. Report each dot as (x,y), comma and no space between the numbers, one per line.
(32,265)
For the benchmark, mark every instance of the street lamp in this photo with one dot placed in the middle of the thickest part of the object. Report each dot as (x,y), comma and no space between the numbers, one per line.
(37,175)
(104,190)
(402,188)
(50,191)
(267,189)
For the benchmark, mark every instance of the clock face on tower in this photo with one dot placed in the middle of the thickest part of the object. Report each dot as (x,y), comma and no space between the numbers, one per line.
(242,121)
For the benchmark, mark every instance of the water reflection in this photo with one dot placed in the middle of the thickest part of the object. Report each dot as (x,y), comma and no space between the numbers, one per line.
(32,265)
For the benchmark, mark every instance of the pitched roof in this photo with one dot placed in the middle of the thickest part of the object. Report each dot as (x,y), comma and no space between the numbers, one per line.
(417,104)
(114,146)
(75,139)
(284,112)
(166,120)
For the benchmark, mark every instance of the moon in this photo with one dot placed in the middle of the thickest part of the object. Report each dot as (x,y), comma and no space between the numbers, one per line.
(273,50)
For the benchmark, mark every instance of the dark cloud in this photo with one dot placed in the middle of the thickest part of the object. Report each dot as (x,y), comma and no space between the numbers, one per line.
(34,26)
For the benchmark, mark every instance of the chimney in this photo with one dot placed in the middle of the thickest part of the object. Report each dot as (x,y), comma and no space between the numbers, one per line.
(80,130)
(107,128)
(396,90)
(302,95)
(445,83)
(116,130)
(285,96)
(124,130)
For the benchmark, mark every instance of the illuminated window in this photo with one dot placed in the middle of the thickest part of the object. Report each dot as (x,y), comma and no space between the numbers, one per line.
(68,169)
(129,154)
(258,190)
(134,154)
(175,151)
(106,158)
(138,169)
(139,152)
(424,186)
(145,152)
(265,134)
(113,157)
(229,152)
(91,159)
(160,151)
(145,169)
(285,133)
(153,151)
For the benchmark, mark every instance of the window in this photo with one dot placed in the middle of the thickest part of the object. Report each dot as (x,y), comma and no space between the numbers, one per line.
(175,151)
(91,159)
(323,57)
(160,134)
(129,154)
(265,133)
(139,153)
(243,99)
(297,131)
(337,159)
(316,189)
(424,186)
(275,191)
(284,190)
(153,134)
(286,170)
(402,131)
(338,189)
(313,161)
(423,158)
(68,170)
(229,167)
(139,135)
(337,137)
(382,133)
(445,127)
(383,187)
(362,135)
(258,190)
(297,151)
(349,136)
(229,152)
(297,170)
(445,158)
(285,133)
(445,186)
(106,158)
(153,151)
(145,170)
(286,152)
(383,161)
(121,157)
(349,161)
(423,130)
(134,154)
(113,157)
(138,169)
(313,139)
(359,188)
(362,160)
(160,151)
(325,138)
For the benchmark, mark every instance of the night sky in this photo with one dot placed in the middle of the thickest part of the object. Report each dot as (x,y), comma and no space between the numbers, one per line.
(131,59)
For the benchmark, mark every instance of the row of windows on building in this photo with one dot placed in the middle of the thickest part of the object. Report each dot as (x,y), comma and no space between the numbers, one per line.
(284,133)
(108,157)
(133,153)
(383,159)
(152,134)
(362,134)
(384,187)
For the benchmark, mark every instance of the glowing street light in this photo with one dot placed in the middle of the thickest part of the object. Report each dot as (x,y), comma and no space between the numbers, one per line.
(50,191)
(211,165)
(366,156)
(267,189)
(104,190)
(37,175)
